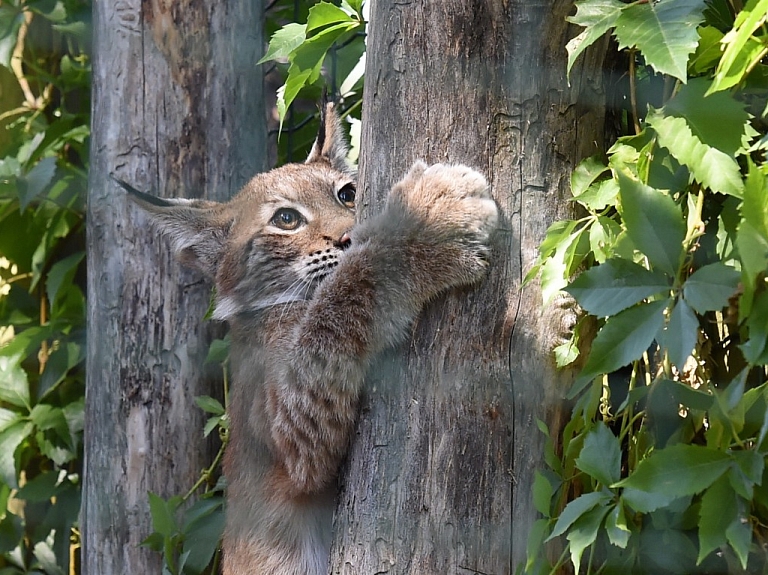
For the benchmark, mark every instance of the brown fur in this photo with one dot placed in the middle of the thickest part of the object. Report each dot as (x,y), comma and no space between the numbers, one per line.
(308,311)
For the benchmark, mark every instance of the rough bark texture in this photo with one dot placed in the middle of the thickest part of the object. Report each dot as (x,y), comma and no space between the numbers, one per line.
(178,111)
(439,478)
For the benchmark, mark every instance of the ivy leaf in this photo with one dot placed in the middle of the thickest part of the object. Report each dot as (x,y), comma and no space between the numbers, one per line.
(14,386)
(600,457)
(709,166)
(583,533)
(62,273)
(324,13)
(202,532)
(209,405)
(723,130)
(622,339)
(681,333)
(654,223)
(664,32)
(739,535)
(612,287)
(285,41)
(678,471)
(741,49)
(163,514)
(718,510)
(708,51)
(542,494)
(616,527)
(597,16)
(33,183)
(576,509)
(710,287)
(585,174)
(754,349)
(10,439)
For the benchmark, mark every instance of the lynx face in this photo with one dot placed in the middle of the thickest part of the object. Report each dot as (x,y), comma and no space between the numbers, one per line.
(288,229)
(275,240)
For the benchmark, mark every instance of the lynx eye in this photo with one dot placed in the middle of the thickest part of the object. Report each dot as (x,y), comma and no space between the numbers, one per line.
(286,219)
(346,195)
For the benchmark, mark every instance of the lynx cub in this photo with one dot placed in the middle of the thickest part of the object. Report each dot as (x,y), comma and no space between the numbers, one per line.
(310,299)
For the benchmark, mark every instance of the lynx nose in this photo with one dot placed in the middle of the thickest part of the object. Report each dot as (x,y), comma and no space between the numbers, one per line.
(344,242)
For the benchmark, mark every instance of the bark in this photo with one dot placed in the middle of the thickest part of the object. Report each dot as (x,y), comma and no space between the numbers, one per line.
(440,474)
(178,109)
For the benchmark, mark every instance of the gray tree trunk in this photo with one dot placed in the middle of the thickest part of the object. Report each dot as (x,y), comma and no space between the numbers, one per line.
(439,478)
(178,110)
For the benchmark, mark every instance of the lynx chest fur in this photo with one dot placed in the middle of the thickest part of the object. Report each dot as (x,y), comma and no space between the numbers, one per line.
(311,299)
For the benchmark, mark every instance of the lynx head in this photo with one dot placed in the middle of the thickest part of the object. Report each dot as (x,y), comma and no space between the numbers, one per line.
(277,238)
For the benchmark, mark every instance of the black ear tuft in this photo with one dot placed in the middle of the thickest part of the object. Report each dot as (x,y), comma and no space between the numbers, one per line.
(330,145)
(197,228)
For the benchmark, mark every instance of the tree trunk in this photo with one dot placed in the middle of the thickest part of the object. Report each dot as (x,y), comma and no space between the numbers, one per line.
(178,109)
(440,475)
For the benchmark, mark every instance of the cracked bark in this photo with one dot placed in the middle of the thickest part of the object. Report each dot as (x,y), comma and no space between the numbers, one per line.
(440,474)
(178,111)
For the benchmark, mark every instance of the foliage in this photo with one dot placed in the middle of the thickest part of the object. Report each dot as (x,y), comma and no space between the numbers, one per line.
(325,53)
(44,112)
(667,442)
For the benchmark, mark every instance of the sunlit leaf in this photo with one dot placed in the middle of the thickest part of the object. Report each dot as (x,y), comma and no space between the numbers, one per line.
(597,17)
(741,49)
(709,166)
(583,533)
(614,286)
(623,339)
(663,31)
(576,509)
(285,41)
(654,224)
(710,287)
(678,470)
(681,333)
(600,457)
(10,439)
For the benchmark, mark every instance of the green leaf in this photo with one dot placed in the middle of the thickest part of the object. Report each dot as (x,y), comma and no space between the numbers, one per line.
(616,527)
(603,235)
(600,457)
(654,224)
(576,509)
(14,387)
(597,16)
(718,510)
(542,494)
(708,51)
(10,439)
(607,289)
(7,417)
(583,533)
(586,172)
(623,339)
(599,196)
(203,535)
(709,166)
(754,349)
(678,471)
(209,405)
(741,49)
(218,352)
(535,542)
(681,333)
(211,424)
(163,514)
(645,501)
(41,488)
(285,41)
(32,184)
(710,287)
(723,130)
(663,31)
(739,535)
(324,13)
(62,273)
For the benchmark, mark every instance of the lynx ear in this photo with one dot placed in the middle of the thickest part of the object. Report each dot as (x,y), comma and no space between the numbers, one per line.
(330,145)
(196,228)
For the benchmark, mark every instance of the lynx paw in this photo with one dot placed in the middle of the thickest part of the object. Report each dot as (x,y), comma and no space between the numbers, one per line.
(456,211)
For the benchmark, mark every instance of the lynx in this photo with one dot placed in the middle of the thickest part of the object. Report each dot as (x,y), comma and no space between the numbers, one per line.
(311,298)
